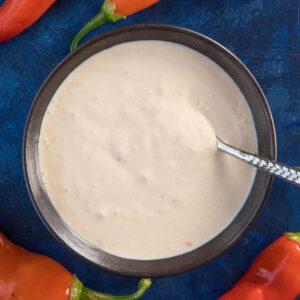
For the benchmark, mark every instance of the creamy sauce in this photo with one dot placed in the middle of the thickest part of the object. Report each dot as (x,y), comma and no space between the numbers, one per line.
(128,154)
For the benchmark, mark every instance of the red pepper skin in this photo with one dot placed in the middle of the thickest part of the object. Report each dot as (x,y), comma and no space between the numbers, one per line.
(274,274)
(25,275)
(17,15)
(129,7)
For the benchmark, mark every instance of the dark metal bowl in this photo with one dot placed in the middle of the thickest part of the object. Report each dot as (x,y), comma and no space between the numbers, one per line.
(178,264)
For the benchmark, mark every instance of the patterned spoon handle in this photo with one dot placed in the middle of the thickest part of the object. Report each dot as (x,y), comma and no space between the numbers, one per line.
(289,174)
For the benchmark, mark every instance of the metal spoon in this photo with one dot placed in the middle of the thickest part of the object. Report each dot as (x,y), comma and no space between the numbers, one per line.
(287,173)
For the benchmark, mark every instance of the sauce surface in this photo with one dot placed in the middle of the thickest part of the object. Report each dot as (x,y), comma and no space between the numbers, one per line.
(128,152)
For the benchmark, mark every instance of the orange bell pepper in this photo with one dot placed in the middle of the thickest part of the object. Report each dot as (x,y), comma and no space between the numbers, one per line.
(28,276)
(111,11)
(17,15)
(274,274)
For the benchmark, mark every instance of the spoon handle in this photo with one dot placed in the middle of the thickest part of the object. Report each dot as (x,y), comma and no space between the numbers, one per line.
(287,173)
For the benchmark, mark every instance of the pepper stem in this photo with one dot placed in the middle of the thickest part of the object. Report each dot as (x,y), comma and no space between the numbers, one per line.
(80,292)
(106,14)
(293,236)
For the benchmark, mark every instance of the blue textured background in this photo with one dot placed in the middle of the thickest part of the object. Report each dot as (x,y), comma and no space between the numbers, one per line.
(265,34)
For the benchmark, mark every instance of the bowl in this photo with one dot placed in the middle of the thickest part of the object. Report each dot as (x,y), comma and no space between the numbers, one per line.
(215,247)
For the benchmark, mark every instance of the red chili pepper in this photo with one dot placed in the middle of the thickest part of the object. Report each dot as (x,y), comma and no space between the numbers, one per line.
(111,11)
(274,274)
(28,276)
(17,15)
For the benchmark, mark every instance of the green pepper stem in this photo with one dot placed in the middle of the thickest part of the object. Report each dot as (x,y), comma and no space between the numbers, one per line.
(80,292)
(293,236)
(76,288)
(106,14)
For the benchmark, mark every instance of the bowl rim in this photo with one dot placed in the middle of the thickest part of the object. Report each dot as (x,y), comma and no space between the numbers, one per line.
(132,267)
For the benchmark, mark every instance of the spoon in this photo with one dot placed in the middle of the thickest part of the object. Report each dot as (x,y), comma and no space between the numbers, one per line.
(287,173)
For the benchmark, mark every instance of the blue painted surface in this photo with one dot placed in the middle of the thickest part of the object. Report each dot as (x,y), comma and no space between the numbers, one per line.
(265,34)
